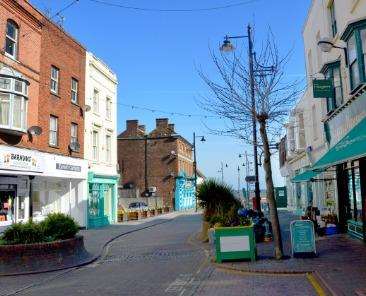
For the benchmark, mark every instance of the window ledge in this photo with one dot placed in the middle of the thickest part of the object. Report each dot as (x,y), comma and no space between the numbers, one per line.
(54,146)
(55,95)
(75,104)
(11,57)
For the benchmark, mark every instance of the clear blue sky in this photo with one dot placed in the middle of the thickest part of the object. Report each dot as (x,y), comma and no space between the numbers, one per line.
(154,55)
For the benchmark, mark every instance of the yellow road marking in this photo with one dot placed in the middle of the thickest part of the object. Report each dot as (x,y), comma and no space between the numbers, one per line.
(317,287)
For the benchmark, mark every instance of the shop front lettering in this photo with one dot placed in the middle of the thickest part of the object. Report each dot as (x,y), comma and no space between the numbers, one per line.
(68,167)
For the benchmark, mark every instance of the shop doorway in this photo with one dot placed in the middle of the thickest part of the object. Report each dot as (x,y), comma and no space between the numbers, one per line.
(7,200)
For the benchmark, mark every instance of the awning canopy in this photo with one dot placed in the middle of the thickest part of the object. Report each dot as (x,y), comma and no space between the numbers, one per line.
(352,146)
(305,176)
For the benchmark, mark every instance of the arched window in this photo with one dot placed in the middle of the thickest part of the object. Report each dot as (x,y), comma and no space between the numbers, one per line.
(11,42)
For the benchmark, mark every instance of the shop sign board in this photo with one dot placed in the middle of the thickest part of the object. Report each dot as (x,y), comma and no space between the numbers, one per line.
(68,167)
(302,238)
(20,160)
(323,88)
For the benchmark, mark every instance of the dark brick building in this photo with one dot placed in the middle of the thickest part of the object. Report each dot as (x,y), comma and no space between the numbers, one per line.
(153,159)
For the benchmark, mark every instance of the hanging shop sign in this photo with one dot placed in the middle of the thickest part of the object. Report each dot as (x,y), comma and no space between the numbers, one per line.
(302,238)
(323,88)
(20,160)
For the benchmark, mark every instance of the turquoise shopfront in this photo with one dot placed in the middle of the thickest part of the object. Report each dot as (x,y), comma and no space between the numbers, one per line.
(184,193)
(102,200)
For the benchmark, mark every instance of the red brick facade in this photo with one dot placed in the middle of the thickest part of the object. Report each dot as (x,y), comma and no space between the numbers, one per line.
(41,44)
(28,60)
(60,50)
(167,155)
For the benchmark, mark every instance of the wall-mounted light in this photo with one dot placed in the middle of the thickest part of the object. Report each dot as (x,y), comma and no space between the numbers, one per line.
(326,45)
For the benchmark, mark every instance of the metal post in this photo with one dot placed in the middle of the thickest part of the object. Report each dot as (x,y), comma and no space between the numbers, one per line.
(146,181)
(195,169)
(254,121)
(222,172)
(239,181)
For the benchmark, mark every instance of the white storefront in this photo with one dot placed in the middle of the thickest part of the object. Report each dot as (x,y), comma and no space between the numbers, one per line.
(42,183)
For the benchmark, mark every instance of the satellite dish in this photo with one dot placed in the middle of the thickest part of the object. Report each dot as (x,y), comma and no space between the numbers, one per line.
(74,146)
(87,108)
(35,130)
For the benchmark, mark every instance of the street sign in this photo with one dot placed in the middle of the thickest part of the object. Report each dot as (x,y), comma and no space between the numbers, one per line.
(250,179)
(302,238)
(323,88)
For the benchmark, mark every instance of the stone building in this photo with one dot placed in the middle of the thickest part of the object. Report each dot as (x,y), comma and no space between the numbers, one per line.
(101,142)
(157,163)
(323,153)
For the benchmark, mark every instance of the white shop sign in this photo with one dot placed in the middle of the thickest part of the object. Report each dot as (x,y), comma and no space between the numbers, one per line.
(17,159)
(66,167)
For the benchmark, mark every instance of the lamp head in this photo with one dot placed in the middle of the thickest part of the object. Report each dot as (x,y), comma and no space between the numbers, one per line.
(325,44)
(227,45)
(203,139)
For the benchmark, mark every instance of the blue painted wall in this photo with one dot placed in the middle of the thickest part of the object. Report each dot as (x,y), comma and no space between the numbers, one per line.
(184,193)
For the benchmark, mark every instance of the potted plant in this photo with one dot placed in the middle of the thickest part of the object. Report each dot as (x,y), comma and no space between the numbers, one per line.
(234,238)
(233,235)
(166,209)
(159,211)
(133,215)
(144,214)
(151,212)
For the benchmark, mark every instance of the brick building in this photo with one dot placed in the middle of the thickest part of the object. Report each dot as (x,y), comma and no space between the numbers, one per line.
(160,159)
(42,73)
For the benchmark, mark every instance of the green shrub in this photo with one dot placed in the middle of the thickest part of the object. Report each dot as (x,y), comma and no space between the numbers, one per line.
(59,226)
(216,198)
(23,233)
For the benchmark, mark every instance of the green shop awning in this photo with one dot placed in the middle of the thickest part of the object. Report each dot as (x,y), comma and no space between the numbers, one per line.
(350,147)
(305,176)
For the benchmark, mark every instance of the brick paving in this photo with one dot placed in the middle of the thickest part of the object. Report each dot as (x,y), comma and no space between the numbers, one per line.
(341,261)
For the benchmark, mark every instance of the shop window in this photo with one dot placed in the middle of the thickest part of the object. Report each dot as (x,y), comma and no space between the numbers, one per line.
(11,39)
(355,199)
(13,103)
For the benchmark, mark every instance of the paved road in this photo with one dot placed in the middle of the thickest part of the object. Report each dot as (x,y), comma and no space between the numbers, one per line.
(162,260)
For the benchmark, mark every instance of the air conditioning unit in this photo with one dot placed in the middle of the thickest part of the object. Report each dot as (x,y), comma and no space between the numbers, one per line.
(152,189)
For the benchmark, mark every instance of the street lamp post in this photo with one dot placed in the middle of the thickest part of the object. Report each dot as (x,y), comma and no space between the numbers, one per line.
(222,171)
(195,165)
(227,46)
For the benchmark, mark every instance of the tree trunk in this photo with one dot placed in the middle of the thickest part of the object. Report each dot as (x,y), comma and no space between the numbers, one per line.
(270,191)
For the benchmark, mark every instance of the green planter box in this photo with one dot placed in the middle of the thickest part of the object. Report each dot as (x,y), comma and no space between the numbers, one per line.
(235,243)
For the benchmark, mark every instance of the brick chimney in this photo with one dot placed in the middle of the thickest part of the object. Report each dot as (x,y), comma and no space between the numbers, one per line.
(171,127)
(132,125)
(162,123)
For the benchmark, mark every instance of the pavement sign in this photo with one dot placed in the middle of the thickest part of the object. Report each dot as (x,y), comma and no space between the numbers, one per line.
(302,238)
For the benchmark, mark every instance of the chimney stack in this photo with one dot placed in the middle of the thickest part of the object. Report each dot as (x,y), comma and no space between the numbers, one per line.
(132,125)
(162,122)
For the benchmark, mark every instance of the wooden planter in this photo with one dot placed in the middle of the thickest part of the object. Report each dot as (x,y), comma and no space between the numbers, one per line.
(143,214)
(166,209)
(159,211)
(151,213)
(235,243)
(133,215)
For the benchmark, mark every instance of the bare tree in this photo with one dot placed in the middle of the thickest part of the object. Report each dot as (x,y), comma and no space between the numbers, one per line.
(275,94)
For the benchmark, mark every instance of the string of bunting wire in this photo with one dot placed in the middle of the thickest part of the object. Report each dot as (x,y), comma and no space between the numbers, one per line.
(119,5)
(134,107)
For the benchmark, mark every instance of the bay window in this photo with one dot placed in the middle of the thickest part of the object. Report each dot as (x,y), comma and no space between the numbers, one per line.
(353,62)
(355,37)
(332,72)
(13,103)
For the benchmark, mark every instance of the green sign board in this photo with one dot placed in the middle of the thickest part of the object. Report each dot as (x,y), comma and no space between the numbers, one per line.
(323,88)
(302,238)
